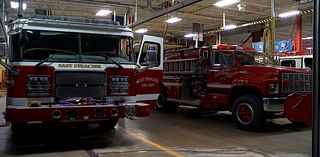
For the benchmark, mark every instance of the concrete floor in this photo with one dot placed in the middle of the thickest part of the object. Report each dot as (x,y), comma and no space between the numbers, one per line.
(179,134)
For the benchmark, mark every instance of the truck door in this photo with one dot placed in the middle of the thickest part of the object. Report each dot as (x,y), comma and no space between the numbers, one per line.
(222,72)
(149,75)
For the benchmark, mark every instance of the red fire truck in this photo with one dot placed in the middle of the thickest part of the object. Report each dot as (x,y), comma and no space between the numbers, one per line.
(244,82)
(78,70)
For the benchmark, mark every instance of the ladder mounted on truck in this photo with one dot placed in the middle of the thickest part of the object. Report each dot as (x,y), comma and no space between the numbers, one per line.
(188,61)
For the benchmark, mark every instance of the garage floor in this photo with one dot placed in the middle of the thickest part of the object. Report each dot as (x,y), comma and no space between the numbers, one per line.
(179,134)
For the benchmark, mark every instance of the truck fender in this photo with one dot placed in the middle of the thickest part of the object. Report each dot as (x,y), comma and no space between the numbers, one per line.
(163,88)
(298,108)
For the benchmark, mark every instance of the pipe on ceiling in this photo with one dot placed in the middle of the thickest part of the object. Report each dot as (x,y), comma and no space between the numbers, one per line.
(136,11)
(113,4)
(20,8)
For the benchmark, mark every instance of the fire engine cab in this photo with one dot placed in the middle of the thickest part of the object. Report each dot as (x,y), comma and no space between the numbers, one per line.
(244,82)
(78,70)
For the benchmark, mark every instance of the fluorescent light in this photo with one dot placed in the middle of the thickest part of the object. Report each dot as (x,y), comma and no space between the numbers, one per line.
(245,25)
(307,38)
(229,27)
(103,12)
(290,13)
(15,5)
(190,35)
(224,3)
(173,20)
(141,30)
(309,48)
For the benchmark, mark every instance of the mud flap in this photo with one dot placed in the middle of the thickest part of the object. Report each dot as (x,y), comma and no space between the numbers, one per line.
(298,108)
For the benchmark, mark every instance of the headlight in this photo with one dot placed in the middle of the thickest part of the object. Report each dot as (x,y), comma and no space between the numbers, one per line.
(38,86)
(273,88)
(119,85)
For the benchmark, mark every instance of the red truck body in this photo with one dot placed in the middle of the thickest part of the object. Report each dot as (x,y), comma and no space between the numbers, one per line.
(76,70)
(246,83)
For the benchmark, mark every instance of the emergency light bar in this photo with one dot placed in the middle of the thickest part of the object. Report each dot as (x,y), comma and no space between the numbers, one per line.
(73,20)
(225,47)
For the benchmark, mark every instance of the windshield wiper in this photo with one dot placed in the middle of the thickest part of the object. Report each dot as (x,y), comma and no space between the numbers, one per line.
(60,52)
(116,63)
(41,62)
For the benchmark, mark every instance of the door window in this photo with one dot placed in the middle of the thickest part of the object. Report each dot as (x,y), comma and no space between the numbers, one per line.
(308,62)
(150,55)
(223,59)
(288,63)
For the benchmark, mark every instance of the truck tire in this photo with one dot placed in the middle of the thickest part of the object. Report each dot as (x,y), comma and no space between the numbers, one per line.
(109,124)
(163,105)
(17,128)
(247,113)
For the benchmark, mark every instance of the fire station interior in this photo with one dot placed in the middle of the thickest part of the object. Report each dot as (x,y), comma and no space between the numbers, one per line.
(123,78)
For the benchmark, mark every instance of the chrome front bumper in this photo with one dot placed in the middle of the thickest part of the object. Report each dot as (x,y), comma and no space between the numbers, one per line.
(274,104)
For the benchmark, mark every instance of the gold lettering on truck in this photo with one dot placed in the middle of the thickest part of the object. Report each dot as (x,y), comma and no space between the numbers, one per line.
(84,66)
(65,65)
(148,82)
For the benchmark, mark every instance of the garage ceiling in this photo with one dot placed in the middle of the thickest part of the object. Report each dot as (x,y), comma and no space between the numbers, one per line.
(202,12)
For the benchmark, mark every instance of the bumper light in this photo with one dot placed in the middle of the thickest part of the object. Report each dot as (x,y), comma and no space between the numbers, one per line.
(56,114)
(273,88)
(34,104)
(131,111)
(114,112)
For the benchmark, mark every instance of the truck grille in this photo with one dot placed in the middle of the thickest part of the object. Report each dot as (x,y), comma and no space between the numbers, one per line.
(296,82)
(80,84)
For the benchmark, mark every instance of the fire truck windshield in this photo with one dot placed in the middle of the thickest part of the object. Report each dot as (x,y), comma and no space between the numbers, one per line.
(254,58)
(38,45)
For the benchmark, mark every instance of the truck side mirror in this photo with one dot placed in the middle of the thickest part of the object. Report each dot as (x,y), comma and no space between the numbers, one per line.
(3,49)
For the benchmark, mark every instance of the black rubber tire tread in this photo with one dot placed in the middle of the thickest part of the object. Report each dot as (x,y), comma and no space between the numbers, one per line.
(164,106)
(17,128)
(257,106)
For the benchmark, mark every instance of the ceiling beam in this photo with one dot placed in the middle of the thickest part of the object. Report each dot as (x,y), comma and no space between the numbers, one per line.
(181,5)
(210,17)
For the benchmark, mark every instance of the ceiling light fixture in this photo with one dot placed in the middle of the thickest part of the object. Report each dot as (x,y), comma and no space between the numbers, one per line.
(190,35)
(141,30)
(103,12)
(241,6)
(173,20)
(15,5)
(289,14)
(224,3)
(307,38)
(229,27)
(245,25)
